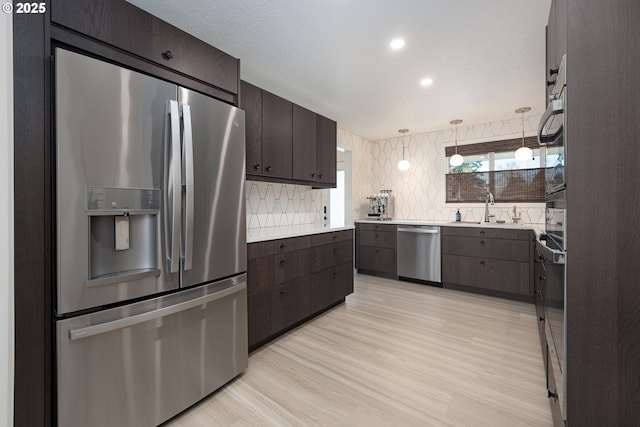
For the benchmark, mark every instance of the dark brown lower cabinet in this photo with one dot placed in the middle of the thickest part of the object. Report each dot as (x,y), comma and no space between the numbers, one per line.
(486,273)
(376,249)
(279,307)
(378,261)
(290,280)
(492,261)
(331,285)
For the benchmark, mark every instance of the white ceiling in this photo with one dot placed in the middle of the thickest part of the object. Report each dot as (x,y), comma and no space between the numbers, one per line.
(486,57)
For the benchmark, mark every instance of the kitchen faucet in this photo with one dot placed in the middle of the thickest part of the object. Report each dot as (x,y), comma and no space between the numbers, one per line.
(516,217)
(488,199)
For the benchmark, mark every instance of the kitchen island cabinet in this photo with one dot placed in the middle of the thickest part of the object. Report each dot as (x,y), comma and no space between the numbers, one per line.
(293,279)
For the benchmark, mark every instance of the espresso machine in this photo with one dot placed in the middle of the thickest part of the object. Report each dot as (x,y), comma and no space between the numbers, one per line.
(381,205)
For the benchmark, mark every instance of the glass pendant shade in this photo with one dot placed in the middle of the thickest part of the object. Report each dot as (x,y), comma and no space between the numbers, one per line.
(456,160)
(524,153)
(403,165)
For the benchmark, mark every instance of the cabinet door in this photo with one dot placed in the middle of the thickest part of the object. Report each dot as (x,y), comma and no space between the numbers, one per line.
(277,133)
(259,315)
(326,151)
(251,103)
(550,58)
(343,280)
(291,303)
(304,144)
(382,260)
(133,30)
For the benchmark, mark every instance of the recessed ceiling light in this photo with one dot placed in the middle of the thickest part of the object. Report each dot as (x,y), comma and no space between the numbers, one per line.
(426,81)
(396,44)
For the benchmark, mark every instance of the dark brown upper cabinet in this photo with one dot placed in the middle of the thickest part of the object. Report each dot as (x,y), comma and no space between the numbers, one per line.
(126,27)
(277,136)
(326,152)
(286,142)
(251,103)
(304,144)
(556,42)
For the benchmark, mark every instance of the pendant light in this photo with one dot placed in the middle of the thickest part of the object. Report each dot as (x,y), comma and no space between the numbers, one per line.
(403,164)
(523,153)
(456,159)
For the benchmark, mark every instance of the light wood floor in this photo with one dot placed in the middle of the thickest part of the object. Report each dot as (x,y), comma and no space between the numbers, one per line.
(395,354)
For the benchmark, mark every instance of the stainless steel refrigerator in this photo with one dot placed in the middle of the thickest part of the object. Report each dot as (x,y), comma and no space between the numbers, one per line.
(150,297)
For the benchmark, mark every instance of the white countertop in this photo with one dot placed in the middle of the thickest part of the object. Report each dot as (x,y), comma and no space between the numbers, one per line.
(537,228)
(272,233)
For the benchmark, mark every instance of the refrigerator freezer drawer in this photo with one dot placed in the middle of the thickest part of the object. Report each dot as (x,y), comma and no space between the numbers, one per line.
(141,364)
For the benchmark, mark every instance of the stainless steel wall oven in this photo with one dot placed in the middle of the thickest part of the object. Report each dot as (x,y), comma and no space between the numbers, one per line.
(552,245)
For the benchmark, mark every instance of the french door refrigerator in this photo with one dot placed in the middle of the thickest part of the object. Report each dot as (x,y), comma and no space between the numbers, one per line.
(150,297)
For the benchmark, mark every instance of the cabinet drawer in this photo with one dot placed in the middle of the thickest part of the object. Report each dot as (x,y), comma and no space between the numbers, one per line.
(133,30)
(333,237)
(508,233)
(271,247)
(378,239)
(378,259)
(376,227)
(291,303)
(327,256)
(331,285)
(272,270)
(272,310)
(510,250)
(469,232)
(489,274)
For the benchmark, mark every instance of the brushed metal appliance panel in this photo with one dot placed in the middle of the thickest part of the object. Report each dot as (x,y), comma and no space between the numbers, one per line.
(419,253)
(141,364)
(219,219)
(109,134)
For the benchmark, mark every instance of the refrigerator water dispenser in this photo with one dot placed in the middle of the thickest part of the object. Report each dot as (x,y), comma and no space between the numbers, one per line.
(123,234)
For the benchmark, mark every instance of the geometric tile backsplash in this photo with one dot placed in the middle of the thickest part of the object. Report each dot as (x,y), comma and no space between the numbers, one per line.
(419,192)
(271,204)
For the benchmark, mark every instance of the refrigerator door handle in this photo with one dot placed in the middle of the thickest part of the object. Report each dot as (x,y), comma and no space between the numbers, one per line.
(187,179)
(103,328)
(173,176)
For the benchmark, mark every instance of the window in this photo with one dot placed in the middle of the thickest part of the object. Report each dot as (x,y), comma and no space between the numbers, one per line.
(492,166)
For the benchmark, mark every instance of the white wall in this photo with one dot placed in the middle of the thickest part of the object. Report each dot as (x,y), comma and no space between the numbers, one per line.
(6,220)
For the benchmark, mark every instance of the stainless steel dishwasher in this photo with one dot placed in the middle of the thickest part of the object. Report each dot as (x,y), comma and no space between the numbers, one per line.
(419,253)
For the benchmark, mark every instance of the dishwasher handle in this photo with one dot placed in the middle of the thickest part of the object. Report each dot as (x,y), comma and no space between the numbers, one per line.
(419,230)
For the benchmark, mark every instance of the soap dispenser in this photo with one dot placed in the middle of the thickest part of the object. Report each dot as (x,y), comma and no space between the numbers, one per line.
(458,216)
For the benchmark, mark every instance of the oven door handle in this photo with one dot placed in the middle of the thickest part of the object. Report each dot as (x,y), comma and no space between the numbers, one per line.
(555,108)
(554,255)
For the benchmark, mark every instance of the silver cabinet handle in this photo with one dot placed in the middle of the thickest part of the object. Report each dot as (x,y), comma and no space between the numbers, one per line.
(103,328)
(187,179)
(173,182)
(418,230)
